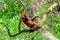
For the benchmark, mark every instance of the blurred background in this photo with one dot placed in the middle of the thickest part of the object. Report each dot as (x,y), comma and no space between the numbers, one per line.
(10,11)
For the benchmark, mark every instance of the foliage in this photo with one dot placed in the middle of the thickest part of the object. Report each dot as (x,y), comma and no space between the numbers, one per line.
(9,14)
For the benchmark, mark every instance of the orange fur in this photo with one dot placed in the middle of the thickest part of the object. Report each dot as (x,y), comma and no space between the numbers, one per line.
(28,21)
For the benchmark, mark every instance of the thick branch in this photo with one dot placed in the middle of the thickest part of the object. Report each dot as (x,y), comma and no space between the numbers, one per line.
(51,8)
(47,34)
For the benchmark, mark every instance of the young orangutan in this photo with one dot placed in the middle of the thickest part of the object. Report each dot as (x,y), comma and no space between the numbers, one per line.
(29,22)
